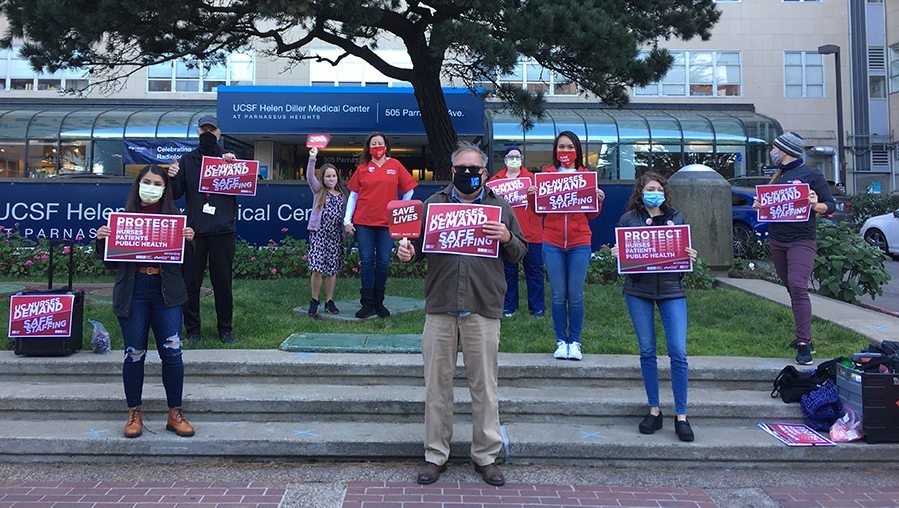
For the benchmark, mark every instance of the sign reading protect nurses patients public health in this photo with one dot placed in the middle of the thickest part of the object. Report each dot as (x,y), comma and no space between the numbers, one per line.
(513,190)
(783,202)
(237,177)
(566,192)
(40,315)
(654,249)
(145,238)
(452,228)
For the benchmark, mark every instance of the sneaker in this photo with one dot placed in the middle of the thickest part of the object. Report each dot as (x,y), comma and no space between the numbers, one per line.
(508,313)
(194,338)
(561,351)
(539,313)
(330,307)
(313,307)
(804,355)
(574,351)
(651,423)
(227,338)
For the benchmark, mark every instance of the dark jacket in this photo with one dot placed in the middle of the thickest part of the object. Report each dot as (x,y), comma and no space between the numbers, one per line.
(187,183)
(457,283)
(652,286)
(793,231)
(174,292)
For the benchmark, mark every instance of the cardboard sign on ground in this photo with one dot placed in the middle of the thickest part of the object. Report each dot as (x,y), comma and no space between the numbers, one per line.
(40,316)
(145,238)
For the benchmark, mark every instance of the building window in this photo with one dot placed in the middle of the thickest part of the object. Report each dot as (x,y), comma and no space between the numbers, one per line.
(16,74)
(699,74)
(352,71)
(894,68)
(531,75)
(802,1)
(185,76)
(803,74)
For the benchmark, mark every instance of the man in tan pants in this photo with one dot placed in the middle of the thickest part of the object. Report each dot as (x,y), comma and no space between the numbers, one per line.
(464,304)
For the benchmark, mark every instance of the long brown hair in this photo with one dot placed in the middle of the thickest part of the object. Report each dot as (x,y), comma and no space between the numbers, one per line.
(636,201)
(323,192)
(166,202)
(365,157)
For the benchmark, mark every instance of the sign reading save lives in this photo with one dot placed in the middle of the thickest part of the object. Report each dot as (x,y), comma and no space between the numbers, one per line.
(40,315)
(405,218)
(654,249)
(566,192)
(237,177)
(145,238)
(783,203)
(452,228)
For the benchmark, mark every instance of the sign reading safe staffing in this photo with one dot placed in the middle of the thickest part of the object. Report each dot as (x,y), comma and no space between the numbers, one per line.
(145,238)
(237,178)
(33,316)
(452,228)
(566,192)
(405,218)
(654,249)
(783,202)
(513,190)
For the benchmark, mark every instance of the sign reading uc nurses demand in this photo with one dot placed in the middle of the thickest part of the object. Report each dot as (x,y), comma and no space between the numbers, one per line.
(40,315)
(237,177)
(654,249)
(452,228)
(783,202)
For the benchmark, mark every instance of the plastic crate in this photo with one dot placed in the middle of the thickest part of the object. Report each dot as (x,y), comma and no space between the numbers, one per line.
(875,397)
(849,388)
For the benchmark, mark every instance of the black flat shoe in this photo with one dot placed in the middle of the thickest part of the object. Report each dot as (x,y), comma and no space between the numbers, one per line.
(683,430)
(651,423)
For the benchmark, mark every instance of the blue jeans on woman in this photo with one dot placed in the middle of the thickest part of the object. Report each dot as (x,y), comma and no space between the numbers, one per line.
(674,320)
(567,270)
(375,247)
(148,311)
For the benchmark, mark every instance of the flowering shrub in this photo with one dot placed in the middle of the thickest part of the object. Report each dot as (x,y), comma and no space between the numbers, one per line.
(23,257)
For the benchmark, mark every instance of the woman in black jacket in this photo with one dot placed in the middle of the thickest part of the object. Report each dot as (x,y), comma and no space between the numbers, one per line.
(149,295)
(649,206)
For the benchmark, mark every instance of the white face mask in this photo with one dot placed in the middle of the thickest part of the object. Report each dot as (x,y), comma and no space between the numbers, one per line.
(776,156)
(150,194)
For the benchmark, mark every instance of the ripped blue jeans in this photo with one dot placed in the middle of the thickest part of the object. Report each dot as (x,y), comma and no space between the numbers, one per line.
(148,311)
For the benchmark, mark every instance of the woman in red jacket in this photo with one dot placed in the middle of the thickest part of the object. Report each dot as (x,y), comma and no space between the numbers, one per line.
(532,227)
(566,253)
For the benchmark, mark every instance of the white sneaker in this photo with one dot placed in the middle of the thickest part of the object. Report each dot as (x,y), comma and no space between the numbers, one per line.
(561,351)
(574,351)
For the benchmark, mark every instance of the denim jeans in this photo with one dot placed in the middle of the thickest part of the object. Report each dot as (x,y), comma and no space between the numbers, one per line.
(674,320)
(148,311)
(793,262)
(567,270)
(533,274)
(375,247)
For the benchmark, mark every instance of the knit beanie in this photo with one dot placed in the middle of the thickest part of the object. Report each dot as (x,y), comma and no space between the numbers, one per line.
(510,149)
(790,143)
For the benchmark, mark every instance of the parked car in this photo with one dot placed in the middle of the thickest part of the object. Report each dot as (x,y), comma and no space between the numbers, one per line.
(747,229)
(882,231)
(843,211)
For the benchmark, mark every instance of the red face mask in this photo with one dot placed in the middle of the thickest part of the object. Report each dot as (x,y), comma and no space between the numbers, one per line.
(566,157)
(377,151)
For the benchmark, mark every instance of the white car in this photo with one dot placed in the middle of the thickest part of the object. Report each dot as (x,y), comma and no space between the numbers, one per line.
(882,231)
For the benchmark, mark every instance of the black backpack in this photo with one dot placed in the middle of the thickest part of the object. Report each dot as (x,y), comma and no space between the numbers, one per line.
(791,384)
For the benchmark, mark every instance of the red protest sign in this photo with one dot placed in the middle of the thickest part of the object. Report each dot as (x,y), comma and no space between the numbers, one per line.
(317,140)
(452,228)
(654,249)
(795,434)
(237,177)
(40,315)
(513,190)
(405,218)
(783,203)
(566,192)
(145,238)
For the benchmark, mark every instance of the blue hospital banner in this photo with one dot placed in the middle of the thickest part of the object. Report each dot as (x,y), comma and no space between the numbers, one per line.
(156,151)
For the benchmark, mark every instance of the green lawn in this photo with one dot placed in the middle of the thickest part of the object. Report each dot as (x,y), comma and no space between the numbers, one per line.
(722,322)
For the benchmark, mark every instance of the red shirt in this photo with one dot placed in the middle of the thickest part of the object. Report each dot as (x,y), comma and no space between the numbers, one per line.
(376,187)
(567,230)
(531,223)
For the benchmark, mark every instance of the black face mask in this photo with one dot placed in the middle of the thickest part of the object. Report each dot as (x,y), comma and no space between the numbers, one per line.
(467,183)
(208,143)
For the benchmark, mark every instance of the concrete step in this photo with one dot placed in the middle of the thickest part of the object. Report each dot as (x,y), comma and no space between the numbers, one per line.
(377,403)
(358,369)
(610,442)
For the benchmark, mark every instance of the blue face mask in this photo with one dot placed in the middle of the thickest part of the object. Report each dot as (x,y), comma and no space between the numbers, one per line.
(653,199)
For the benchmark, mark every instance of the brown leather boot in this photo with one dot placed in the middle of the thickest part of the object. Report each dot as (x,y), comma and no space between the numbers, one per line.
(134,427)
(178,424)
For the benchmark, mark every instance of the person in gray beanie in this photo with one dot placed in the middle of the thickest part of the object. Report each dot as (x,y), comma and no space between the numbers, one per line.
(794,244)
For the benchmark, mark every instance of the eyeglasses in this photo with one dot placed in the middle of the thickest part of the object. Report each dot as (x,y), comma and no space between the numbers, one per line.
(467,169)
(513,157)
